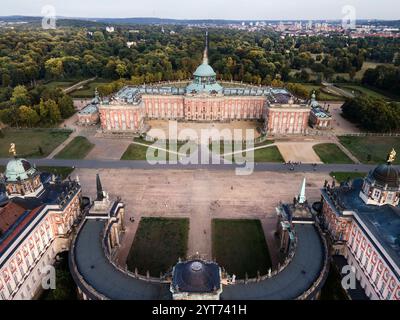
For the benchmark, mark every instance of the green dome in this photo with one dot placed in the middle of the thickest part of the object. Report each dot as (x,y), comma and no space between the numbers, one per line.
(204,70)
(19,169)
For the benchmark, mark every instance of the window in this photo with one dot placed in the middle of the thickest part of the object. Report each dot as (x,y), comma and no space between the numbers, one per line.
(377,279)
(377,193)
(382,288)
(2,295)
(389,295)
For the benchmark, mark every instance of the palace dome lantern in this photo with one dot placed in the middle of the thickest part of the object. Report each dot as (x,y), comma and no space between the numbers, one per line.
(21,179)
(196,280)
(204,78)
(382,185)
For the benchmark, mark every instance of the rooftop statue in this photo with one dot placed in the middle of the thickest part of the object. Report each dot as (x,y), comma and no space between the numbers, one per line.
(391,156)
(12,149)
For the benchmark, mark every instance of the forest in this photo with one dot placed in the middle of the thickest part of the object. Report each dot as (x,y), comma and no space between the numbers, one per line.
(31,57)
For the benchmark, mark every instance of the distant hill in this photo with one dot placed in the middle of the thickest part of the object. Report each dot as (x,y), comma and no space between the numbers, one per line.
(82,21)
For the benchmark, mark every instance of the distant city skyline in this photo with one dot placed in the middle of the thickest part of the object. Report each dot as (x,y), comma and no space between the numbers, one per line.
(209,9)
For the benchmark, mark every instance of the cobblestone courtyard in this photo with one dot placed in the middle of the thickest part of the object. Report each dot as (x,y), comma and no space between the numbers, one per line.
(200,195)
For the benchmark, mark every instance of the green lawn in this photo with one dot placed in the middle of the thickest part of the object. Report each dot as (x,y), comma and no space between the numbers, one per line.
(270,154)
(60,84)
(138,152)
(362,90)
(78,148)
(330,153)
(158,245)
(29,141)
(376,147)
(343,176)
(87,90)
(230,147)
(239,246)
(322,96)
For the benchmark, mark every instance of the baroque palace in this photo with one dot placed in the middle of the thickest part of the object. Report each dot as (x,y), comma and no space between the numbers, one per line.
(362,219)
(37,213)
(205,100)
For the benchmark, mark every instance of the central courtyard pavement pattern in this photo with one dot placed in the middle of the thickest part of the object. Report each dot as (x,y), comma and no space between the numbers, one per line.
(200,195)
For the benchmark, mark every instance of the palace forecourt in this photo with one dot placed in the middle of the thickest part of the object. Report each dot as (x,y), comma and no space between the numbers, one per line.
(98,278)
(93,250)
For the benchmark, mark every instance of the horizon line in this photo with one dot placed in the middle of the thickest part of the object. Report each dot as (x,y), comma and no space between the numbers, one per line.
(198,19)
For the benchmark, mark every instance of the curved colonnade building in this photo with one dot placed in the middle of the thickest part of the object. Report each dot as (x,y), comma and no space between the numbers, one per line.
(98,277)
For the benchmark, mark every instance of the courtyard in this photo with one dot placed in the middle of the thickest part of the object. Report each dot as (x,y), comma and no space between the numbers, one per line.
(200,196)
(193,130)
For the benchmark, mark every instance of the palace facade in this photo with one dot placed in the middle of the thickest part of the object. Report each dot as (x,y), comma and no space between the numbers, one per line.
(203,100)
(36,217)
(362,218)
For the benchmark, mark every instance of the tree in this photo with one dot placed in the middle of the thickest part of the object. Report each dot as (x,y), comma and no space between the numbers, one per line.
(20,96)
(5,80)
(373,114)
(54,67)
(54,114)
(66,106)
(121,69)
(28,116)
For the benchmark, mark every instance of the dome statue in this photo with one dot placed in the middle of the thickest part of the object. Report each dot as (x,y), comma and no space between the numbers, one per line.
(21,178)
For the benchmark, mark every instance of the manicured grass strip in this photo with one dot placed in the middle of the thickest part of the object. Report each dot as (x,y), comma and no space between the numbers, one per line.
(371,150)
(270,154)
(139,152)
(343,176)
(239,246)
(158,244)
(78,148)
(31,143)
(331,153)
(87,91)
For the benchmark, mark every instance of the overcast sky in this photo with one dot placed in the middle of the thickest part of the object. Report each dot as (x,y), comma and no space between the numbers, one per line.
(207,9)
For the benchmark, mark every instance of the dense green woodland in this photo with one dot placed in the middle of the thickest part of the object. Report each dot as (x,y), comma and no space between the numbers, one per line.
(33,57)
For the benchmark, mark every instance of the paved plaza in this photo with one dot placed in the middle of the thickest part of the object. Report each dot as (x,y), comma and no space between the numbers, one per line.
(339,124)
(298,152)
(200,195)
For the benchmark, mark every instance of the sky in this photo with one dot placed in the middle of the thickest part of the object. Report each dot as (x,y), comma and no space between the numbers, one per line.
(208,9)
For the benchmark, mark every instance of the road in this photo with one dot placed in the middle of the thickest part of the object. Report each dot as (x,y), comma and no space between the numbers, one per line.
(119,164)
